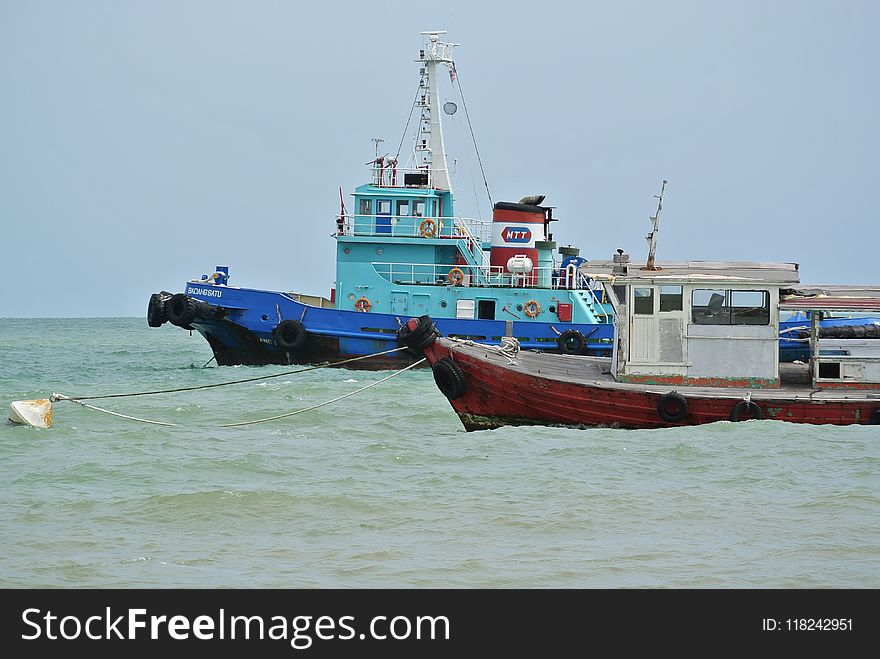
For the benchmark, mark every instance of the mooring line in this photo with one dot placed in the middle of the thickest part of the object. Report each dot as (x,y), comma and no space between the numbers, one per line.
(314,407)
(124,416)
(60,397)
(55,397)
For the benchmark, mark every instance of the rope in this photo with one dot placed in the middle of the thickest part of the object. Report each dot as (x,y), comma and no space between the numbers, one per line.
(508,349)
(509,346)
(473,137)
(60,397)
(409,118)
(469,164)
(314,407)
(124,416)
(55,397)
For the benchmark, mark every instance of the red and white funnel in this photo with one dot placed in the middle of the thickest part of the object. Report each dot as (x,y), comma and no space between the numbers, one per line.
(515,229)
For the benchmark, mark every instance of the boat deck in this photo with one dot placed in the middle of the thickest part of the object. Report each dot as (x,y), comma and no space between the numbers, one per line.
(596,371)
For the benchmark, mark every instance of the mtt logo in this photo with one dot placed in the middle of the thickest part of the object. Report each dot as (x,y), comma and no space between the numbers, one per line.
(516,234)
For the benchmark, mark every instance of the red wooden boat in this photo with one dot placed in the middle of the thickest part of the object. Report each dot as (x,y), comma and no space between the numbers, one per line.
(694,343)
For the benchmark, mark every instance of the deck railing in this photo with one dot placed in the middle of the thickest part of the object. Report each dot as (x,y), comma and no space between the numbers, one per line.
(408,226)
(445,274)
(474,248)
(385,174)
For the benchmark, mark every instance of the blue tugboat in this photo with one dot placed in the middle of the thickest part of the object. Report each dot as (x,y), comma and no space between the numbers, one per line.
(403,254)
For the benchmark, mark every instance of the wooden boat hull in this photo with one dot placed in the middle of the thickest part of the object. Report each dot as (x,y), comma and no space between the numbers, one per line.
(571,391)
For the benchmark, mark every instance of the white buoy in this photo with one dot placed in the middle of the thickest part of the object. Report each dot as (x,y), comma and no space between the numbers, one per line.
(36,413)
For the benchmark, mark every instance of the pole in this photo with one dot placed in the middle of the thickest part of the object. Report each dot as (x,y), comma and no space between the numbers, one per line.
(652,237)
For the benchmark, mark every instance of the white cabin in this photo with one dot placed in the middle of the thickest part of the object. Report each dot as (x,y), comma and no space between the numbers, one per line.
(696,323)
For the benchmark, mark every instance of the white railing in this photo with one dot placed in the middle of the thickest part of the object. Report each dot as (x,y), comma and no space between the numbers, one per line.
(474,246)
(388,175)
(432,274)
(444,274)
(572,278)
(409,226)
(581,282)
(585,283)
(480,230)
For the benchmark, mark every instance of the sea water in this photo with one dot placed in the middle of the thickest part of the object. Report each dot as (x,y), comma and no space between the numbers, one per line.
(386,489)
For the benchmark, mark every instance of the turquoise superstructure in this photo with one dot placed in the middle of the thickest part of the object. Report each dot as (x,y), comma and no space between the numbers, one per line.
(399,262)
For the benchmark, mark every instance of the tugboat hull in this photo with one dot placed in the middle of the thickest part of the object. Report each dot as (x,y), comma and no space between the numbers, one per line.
(235,345)
(242,334)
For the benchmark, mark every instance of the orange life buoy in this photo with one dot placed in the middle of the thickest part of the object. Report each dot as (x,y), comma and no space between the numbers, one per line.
(363,304)
(456,276)
(428,228)
(532,308)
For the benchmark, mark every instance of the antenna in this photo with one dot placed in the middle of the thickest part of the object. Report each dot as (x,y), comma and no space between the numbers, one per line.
(652,237)
(377,141)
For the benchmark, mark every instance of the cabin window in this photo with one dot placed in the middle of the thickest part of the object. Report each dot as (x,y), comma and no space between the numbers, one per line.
(383,207)
(403,208)
(620,292)
(709,307)
(418,208)
(366,207)
(643,301)
(750,308)
(670,298)
(726,307)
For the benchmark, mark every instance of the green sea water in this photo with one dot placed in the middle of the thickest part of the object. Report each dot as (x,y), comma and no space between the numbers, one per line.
(385,489)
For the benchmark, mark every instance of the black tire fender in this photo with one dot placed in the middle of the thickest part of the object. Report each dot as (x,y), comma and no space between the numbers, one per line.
(571,342)
(290,335)
(672,407)
(753,410)
(181,310)
(449,378)
(156,315)
(874,419)
(417,334)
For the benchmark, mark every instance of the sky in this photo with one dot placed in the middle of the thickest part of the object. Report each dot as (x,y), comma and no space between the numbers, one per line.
(142,143)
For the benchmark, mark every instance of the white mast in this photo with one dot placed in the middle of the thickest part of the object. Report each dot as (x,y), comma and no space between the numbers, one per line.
(430,151)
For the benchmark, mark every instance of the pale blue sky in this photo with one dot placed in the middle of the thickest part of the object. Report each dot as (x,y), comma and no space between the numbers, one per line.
(143,143)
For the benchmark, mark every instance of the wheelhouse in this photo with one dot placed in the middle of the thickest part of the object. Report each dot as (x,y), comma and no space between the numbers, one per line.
(696,323)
